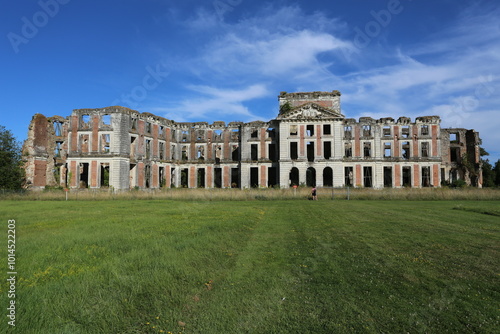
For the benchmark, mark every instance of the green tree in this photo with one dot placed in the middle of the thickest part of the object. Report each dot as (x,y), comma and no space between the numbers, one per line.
(11,173)
(488,174)
(496,169)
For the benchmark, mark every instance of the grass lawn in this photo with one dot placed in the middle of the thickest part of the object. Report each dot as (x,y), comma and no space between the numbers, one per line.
(158,266)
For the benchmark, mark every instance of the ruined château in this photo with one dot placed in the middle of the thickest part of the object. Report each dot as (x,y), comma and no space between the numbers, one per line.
(309,142)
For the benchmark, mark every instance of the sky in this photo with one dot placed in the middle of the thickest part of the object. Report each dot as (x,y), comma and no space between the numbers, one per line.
(209,60)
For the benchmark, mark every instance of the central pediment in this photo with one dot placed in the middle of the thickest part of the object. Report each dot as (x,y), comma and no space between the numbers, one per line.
(309,110)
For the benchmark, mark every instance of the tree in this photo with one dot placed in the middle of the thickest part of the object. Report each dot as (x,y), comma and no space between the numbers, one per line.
(11,173)
(488,174)
(496,169)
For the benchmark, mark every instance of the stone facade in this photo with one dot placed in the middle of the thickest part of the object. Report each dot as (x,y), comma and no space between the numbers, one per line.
(310,142)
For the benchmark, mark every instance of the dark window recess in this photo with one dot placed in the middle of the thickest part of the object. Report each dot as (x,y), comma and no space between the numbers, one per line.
(218,177)
(348,150)
(272,179)
(294,176)
(367,177)
(406,176)
(405,150)
(348,176)
(254,177)
(425,150)
(310,130)
(235,154)
(327,129)
(310,151)
(347,132)
(328,177)
(254,152)
(367,150)
(272,152)
(254,134)
(235,177)
(327,149)
(424,130)
(201,178)
(388,177)
(294,152)
(455,154)
(426,176)
(184,177)
(367,130)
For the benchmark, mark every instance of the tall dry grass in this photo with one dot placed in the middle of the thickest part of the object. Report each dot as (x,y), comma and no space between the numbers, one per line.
(300,193)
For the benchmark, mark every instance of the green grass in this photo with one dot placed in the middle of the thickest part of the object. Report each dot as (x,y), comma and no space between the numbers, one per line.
(153,266)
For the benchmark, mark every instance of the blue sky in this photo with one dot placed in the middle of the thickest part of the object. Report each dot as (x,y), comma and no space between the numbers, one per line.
(229,59)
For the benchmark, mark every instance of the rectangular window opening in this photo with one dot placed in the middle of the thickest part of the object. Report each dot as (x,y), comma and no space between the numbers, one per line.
(294,152)
(327,149)
(327,129)
(310,130)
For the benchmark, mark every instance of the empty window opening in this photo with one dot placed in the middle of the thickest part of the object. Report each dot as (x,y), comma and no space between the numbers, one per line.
(148,148)
(162,150)
(406,176)
(200,135)
(147,176)
(271,132)
(424,130)
(148,127)
(310,130)
(310,151)
(235,135)
(235,177)
(235,154)
(161,172)
(172,150)
(184,137)
(184,153)
(217,134)
(132,175)
(455,154)
(367,149)
(132,146)
(294,152)
(293,130)
(58,149)
(161,131)
(218,177)
(453,175)
(254,177)
(200,152)
(57,174)
(347,132)
(84,175)
(184,177)
(454,137)
(405,150)
(348,176)
(367,177)
(311,177)
(218,153)
(327,129)
(254,134)
(327,177)
(387,150)
(327,149)
(294,176)
(105,143)
(272,152)
(388,177)
(386,131)
(367,130)
(133,124)
(201,178)
(405,131)
(172,177)
(104,175)
(106,119)
(443,174)
(86,119)
(58,129)
(424,150)
(84,143)
(254,152)
(272,179)
(348,150)
(426,176)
